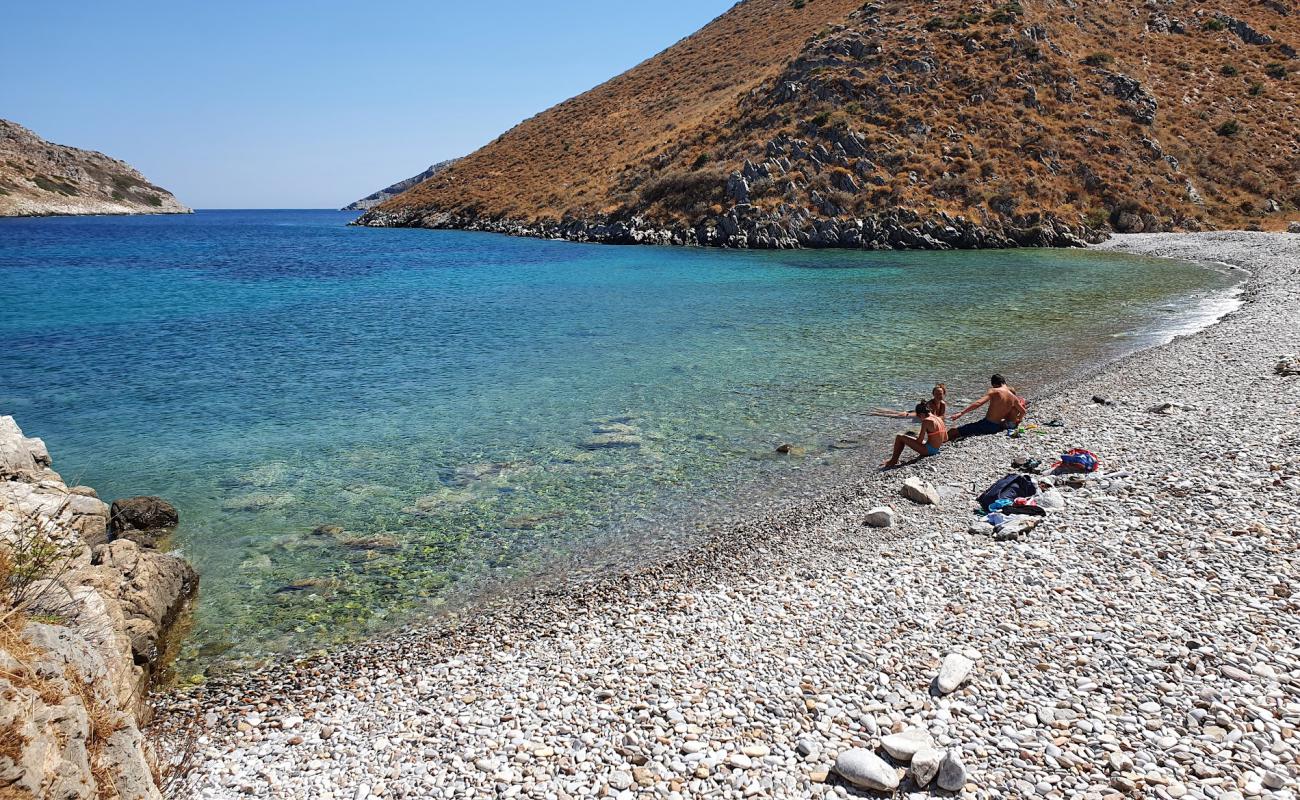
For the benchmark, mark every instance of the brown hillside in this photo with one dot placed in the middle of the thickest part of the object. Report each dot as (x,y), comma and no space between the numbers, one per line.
(40,178)
(781,115)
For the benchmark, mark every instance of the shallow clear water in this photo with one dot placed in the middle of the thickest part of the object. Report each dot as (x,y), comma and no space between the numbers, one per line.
(430,393)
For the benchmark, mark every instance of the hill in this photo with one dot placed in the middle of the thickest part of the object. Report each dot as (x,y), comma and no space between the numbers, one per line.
(945,123)
(39,178)
(371,200)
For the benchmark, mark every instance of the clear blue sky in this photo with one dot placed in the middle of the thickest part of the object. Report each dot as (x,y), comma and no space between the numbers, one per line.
(292,104)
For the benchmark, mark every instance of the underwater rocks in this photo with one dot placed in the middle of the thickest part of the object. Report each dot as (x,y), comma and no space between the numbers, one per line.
(613,435)
(376,541)
(259,501)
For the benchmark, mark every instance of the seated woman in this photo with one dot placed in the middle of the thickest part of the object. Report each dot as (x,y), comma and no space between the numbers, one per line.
(938,405)
(933,434)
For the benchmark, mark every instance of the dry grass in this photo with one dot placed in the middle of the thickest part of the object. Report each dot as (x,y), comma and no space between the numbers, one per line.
(171,778)
(968,93)
(32,565)
(12,742)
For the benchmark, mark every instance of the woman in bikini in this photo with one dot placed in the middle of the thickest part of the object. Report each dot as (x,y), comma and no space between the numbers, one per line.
(933,434)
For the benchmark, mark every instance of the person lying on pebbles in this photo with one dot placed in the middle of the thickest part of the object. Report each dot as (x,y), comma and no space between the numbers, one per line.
(938,405)
(933,433)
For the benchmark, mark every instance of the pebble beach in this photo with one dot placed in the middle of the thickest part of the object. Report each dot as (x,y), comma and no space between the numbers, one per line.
(1143,641)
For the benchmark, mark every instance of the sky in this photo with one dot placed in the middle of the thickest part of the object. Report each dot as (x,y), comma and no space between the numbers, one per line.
(287,104)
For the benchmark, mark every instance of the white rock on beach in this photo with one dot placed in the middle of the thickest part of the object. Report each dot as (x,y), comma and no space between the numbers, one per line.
(904,745)
(952,772)
(953,673)
(920,492)
(866,769)
(925,765)
(880,517)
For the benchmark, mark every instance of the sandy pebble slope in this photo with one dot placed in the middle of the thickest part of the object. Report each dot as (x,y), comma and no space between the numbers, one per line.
(1144,642)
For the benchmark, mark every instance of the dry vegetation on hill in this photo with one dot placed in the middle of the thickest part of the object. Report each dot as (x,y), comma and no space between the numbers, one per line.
(788,113)
(40,178)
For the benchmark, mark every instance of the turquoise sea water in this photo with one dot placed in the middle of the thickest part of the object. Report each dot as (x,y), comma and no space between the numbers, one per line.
(431,398)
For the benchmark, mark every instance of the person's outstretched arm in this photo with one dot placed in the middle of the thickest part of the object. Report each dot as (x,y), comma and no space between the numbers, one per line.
(973,406)
(887,412)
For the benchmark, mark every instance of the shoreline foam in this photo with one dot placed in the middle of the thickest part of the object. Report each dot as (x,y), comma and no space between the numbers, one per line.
(811,628)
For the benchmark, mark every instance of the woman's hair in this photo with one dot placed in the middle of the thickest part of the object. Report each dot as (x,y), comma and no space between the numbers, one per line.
(923,408)
(940,389)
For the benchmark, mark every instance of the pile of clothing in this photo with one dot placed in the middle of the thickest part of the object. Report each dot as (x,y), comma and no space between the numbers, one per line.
(1014,504)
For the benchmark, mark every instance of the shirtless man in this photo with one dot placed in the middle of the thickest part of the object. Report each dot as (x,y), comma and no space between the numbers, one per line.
(933,434)
(1003,412)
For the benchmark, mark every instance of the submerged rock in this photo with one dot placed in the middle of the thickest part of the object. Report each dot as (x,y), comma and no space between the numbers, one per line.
(611,441)
(259,501)
(377,541)
(145,513)
(526,522)
(473,473)
(307,584)
(615,428)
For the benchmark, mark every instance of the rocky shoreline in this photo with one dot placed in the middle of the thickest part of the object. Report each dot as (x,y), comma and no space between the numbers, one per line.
(744,226)
(1140,642)
(87,604)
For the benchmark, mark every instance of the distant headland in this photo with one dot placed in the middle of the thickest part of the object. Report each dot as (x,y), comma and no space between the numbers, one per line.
(40,178)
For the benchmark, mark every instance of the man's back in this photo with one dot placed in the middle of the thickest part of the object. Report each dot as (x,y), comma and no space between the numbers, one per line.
(1002,402)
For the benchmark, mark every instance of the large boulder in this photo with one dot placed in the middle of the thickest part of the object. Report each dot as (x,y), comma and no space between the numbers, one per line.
(141,514)
(150,587)
(17,451)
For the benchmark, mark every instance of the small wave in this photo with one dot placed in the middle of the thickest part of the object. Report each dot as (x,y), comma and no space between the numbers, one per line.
(1202,314)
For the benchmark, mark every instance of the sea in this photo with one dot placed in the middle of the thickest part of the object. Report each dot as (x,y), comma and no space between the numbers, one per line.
(367,428)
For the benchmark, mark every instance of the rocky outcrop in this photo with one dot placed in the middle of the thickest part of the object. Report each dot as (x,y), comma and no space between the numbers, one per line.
(81,638)
(743,226)
(39,178)
(371,200)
